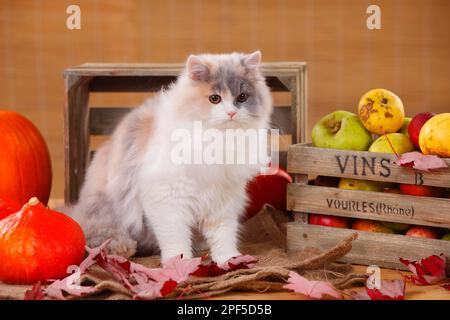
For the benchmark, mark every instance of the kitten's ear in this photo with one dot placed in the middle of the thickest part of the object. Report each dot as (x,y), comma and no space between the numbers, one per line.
(253,60)
(197,69)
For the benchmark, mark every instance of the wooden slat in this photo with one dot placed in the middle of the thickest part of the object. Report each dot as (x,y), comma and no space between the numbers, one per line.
(169,69)
(370,248)
(76,135)
(143,83)
(130,83)
(103,120)
(369,205)
(142,77)
(303,158)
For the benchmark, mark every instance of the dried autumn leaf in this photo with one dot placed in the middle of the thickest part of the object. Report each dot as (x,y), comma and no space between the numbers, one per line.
(239,262)
(168,287)
(69,285)
(311,288)
(420,161)
(389,290)
(35,293)
(117,266)
(143,282)
(360,295)
(93,254)
(151,283)
(147,291)
(176,269)
(427,270)
(211,269)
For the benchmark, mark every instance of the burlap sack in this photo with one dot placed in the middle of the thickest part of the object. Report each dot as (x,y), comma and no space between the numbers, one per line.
(264,237)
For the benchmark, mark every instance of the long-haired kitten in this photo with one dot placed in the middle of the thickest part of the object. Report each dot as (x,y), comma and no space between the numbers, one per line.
(135,194)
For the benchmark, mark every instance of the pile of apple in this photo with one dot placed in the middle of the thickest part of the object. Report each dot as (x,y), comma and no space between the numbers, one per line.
(381,126)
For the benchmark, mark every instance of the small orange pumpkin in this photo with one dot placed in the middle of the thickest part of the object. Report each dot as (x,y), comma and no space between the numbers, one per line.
(25,167)
(38,244)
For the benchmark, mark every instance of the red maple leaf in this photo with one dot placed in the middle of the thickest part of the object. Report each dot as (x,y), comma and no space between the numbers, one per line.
(211,269)
(421,162)
(389,290)
(93,255)
(70,285)
(118,267)
(427,270)
(311,288)
(239,262)
(168,287)
(176,268)
(35,293)
(147,290)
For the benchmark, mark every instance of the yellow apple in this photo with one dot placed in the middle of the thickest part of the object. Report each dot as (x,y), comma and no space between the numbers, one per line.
(381,111)
(354,184)
(399,141)
(434,137)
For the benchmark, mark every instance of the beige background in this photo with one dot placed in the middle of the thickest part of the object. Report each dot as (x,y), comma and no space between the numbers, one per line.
(410,55)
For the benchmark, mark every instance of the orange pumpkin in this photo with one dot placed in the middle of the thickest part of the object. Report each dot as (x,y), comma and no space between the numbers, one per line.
(25,167)
(7,207)
(38,244)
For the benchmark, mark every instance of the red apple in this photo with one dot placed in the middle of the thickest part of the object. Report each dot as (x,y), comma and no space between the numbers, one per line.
(423,191)
(423,232)
(329,221)
(371,226)
(269,189)
(416,125)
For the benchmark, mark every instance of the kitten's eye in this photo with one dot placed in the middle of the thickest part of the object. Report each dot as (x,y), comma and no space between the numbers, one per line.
(215,98)
(242,97)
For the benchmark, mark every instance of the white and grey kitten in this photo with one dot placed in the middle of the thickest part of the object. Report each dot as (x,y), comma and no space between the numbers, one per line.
(133,192)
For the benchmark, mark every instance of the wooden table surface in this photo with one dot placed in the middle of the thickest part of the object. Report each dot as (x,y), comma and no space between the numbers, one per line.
(413,292)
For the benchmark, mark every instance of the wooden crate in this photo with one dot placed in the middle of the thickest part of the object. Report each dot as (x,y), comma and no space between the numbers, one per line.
(306,161)
(81,122)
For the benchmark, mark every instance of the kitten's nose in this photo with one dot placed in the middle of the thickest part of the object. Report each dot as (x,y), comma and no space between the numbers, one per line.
(232,114)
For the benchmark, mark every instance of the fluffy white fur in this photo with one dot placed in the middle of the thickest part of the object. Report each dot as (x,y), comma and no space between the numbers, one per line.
(136,196)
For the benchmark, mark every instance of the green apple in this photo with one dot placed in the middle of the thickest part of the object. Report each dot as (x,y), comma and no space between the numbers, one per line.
(353,184)
(341,130)
(399,141)
(446,237)
(404,128)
